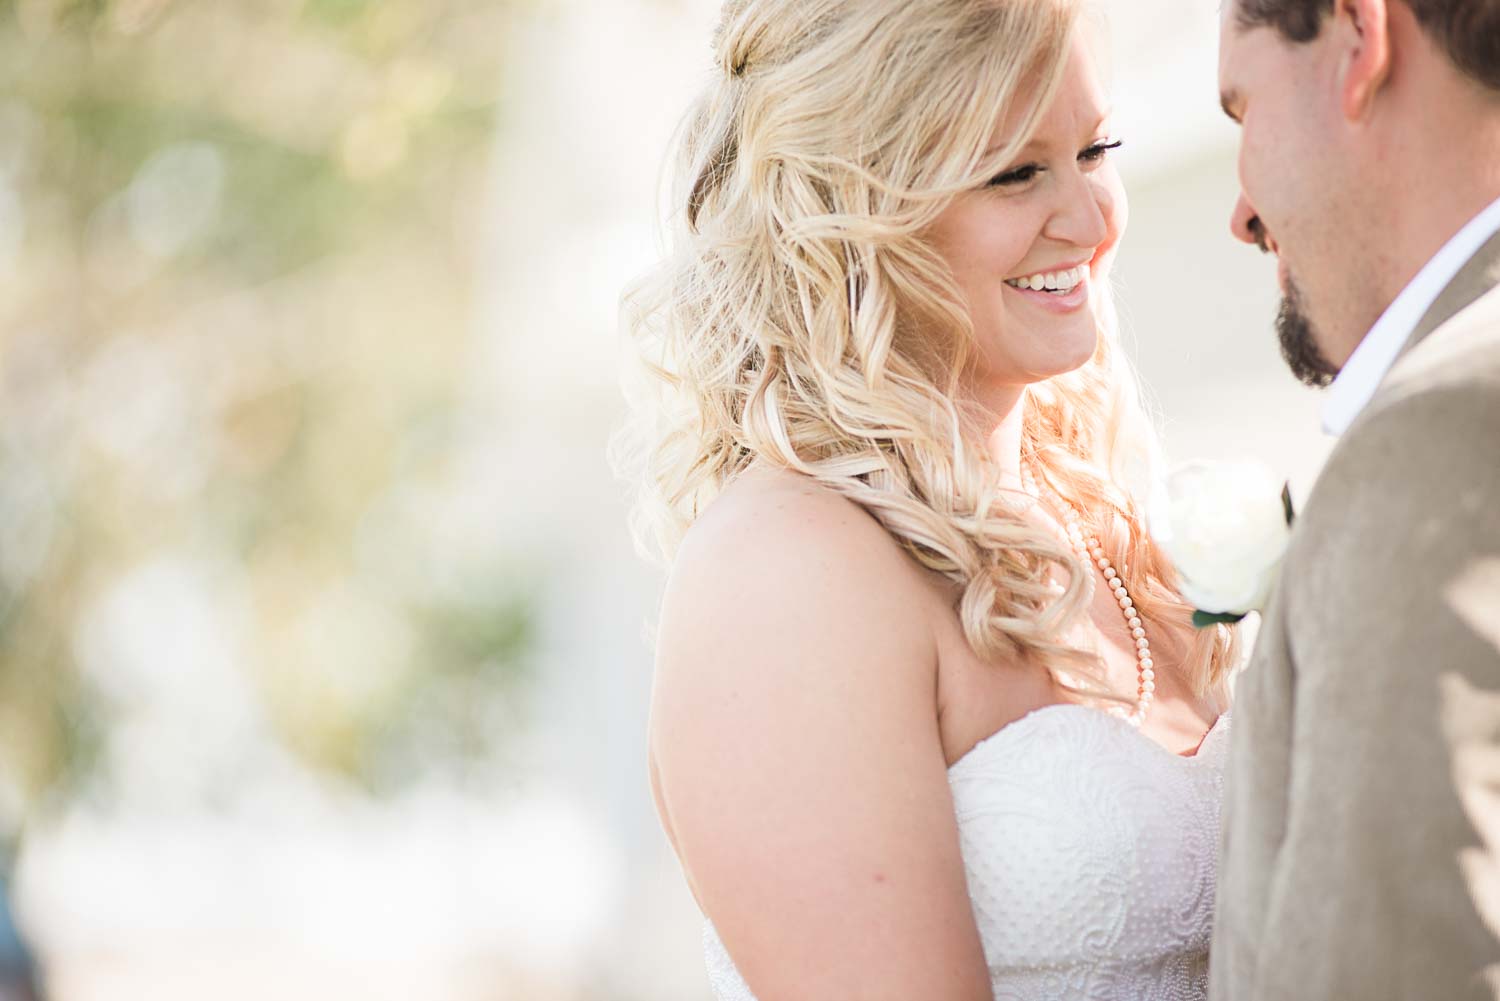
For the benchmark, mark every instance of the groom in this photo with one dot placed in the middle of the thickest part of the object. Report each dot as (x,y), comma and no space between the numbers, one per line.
(1362,828)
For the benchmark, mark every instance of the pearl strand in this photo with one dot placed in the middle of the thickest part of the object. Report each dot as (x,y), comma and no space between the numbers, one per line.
(1090,552)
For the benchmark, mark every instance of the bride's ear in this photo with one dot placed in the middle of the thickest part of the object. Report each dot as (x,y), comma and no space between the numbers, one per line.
(1362,29)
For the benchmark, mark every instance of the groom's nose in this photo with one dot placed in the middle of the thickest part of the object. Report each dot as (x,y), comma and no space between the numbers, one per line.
(1246,226)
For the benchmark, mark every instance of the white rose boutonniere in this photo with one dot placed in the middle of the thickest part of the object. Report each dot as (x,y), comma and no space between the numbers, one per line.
(1225,525)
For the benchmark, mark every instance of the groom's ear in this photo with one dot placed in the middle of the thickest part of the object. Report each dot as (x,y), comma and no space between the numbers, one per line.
(1363,30)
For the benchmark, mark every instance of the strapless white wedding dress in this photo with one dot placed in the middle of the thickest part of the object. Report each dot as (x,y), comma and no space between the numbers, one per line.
(1091,853)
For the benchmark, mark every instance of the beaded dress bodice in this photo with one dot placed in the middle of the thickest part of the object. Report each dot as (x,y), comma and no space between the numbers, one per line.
(1090,853)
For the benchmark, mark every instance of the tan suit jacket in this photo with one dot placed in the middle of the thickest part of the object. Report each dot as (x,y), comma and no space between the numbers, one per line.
(1362,799)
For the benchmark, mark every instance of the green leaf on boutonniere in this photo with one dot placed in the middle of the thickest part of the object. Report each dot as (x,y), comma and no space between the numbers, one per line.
(1286,502)
(1202,620)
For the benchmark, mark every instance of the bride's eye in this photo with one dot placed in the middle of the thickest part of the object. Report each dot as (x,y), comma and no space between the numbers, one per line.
(1018,175)
(1098,151)
(1029,172)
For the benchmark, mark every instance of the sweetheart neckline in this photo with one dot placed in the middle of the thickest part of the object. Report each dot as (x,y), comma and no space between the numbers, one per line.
(1040,710)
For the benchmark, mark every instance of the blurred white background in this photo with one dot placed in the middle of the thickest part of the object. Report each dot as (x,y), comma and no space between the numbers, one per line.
(221,864)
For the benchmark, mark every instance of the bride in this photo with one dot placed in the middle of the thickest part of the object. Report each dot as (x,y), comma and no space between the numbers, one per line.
(929,718)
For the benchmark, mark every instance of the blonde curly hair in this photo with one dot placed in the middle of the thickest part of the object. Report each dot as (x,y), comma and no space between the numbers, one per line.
(802,320)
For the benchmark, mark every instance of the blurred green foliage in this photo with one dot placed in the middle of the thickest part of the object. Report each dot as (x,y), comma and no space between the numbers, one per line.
(237,264)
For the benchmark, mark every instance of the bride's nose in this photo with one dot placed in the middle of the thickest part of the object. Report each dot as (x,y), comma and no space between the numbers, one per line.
(1083,214)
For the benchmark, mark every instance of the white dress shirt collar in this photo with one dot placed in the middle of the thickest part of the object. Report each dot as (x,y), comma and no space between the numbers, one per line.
(1373,358)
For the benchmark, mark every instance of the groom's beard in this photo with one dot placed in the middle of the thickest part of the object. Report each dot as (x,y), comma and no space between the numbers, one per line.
(1299,346)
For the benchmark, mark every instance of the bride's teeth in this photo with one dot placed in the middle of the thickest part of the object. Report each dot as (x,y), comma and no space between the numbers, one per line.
(1052,281)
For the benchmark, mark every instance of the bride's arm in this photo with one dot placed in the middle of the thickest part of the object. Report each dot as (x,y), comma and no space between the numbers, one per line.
(797,759)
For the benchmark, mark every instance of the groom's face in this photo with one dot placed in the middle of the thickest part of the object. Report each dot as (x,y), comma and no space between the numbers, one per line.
(1293,201)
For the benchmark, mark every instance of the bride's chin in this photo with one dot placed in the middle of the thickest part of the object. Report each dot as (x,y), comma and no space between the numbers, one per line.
(1073,359)
(1047,355)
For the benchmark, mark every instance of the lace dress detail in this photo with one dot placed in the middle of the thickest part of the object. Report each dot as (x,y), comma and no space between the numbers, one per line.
(1091,854)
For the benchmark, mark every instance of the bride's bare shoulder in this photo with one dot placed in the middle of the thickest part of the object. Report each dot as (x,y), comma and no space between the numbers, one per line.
(782,579)
(782,561)
(779,520)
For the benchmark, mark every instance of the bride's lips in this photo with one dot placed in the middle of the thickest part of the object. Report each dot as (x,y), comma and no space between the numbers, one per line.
(1071,302)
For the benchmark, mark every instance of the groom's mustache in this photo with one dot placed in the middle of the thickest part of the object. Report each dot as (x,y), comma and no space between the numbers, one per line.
(1262,239)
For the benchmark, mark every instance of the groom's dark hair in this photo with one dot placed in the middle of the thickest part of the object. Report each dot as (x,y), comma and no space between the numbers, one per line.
(1468,30)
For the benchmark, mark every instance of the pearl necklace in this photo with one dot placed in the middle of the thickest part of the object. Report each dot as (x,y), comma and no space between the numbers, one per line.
(1091,552)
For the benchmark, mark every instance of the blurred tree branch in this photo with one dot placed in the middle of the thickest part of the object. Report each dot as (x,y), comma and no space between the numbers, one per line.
(236,270)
